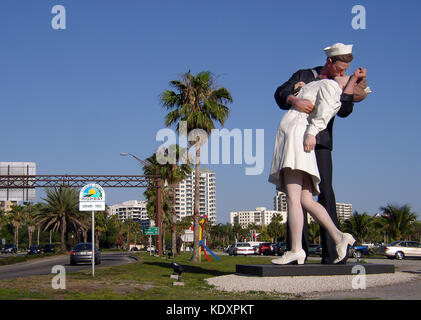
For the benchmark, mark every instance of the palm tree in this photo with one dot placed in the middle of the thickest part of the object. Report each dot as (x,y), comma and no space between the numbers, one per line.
(2,218)
(398,220)
(129,225)
(16,217)
(416,231)
(61,212)
(197,102)
(30,219)
(313,232)
(173,173)
(100,225)
(359,225)
(217,235)
(184,224)
(236,231)
(166,201)
(274,229)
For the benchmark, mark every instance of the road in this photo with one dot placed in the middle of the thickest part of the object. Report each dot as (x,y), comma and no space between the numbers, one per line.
(43,266)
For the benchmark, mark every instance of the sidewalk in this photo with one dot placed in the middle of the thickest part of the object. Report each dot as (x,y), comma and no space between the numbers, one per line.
(405,283)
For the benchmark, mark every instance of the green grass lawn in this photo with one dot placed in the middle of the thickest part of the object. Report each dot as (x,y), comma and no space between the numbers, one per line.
(146,279)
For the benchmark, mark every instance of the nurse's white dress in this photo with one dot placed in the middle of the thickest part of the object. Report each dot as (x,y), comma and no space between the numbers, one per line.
(289,144)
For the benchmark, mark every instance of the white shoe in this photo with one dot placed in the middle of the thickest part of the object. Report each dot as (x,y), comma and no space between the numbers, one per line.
(291,257)
(342,247)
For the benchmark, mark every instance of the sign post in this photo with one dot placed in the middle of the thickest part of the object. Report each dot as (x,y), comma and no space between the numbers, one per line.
(153,231)
(92,198)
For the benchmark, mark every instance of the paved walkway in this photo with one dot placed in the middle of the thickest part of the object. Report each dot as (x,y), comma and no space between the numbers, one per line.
(405,283)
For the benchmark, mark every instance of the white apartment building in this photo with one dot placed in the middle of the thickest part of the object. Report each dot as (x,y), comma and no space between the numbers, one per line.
(132,209)
(6,206)
(185,196)
(280,202)
(343,211)
(259,216)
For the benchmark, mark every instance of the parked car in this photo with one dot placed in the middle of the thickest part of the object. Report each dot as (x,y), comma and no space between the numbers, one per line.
(256,249)
(49,247)
(9,248)
(34,250)
(232,250)
(135,247)
(265,248)
(244,248)
(313,249)
(279,248)
(403,249)
(82,252)
(359,251)
(150,248)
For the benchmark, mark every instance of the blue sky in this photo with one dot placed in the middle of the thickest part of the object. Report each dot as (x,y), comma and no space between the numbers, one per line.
(72,100)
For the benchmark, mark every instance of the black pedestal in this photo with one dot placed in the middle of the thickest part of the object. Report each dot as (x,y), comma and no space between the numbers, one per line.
(312,269)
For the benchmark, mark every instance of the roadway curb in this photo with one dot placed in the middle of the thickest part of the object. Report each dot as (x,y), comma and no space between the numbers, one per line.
(133,257)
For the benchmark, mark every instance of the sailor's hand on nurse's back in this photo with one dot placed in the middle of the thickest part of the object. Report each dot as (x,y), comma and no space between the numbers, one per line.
(302,105)
(299,85)
(309,142)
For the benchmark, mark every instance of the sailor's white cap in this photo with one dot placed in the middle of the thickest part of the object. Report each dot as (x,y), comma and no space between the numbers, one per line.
(338,49)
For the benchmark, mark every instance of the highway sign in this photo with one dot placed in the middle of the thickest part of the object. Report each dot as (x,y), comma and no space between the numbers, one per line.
(154,231)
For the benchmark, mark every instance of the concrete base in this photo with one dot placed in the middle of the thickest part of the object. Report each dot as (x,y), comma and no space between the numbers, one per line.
(312,269)
(174,276)
(180,284)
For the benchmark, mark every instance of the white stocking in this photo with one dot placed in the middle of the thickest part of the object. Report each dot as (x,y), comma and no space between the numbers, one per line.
(317,211)
(294,182)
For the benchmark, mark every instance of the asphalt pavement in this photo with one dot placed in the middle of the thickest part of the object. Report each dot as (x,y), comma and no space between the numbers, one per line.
(44,266)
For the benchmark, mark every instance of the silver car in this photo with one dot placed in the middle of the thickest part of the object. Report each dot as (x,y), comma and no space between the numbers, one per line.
(403,249)
(82,252)
(244,248)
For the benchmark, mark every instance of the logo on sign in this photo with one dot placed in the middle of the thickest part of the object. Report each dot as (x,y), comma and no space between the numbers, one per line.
(92,197)
(92,193)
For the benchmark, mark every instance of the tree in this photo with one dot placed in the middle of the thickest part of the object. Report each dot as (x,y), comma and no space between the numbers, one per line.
(398,221)
(274,228)
(2,218)
(129,226)
(173,173)
(16,217)
(198,103)
(359,225)
(150,194)
(61,212)
(313,231)
(416,231)
(112,228)
(237,231)
(100,225)
(183,225)
(30,219)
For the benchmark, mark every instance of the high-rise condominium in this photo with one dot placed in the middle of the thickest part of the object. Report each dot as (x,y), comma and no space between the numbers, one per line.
(185,196)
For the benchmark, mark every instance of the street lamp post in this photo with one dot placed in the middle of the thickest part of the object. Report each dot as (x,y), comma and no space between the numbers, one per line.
(158,186)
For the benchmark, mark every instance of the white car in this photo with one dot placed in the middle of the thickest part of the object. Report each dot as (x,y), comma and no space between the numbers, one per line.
(244,248)
(402,249)
(150,249)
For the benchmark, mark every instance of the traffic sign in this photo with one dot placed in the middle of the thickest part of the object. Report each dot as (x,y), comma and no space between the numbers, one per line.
(154,231)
